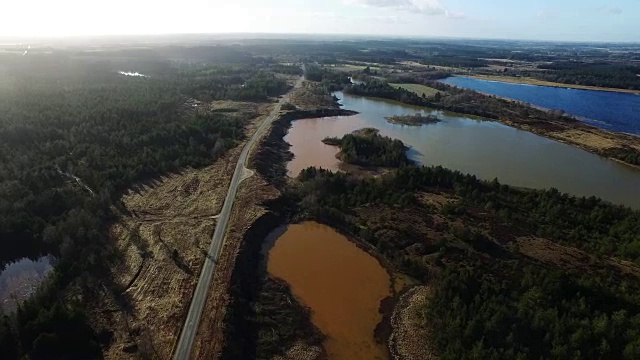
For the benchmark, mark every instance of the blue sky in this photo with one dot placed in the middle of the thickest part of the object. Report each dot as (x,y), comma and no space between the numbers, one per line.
(586,20)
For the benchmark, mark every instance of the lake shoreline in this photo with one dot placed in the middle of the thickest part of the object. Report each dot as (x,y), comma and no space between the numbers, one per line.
(536,82)
(457,143)
(577,133)
(380,334)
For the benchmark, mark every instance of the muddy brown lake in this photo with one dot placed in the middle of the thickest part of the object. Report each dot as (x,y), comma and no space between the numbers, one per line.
(341,284)
(483,148)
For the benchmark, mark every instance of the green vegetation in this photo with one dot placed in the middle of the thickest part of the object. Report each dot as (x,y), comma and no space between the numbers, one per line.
(599,74)
(209,83)
(381,89)
(276,321)
(413,120)
(604,65)
(492,301)
(586,223)
(74,135)
(367,147)
(287,69)
(453,60)
(288,107)
(264,319)
(626,154)
(281,320)
(412,76)
(420,90)
(332,80)
(471,102)
(520,310)
(456,100)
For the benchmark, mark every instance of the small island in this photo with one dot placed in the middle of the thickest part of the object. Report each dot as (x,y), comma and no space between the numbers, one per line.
(366,147)
(413,120)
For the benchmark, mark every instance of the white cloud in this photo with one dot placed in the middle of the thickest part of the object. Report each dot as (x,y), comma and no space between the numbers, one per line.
(558,12)
(427,7)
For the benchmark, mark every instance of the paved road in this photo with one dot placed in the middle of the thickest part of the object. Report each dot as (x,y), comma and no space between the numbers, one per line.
(188,334)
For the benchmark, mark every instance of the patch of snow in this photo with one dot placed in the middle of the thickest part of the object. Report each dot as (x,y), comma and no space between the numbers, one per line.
(20,279)
(129,73)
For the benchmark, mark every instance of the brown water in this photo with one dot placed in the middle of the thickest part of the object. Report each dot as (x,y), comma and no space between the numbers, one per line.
(483,148)
(305,137)
(341,284)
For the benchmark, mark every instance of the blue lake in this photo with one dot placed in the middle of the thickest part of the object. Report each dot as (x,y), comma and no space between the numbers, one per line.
(604,109)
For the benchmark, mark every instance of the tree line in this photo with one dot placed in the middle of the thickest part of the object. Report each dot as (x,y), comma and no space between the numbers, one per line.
(367,147)
(332,80)
(74,135)
(382,89)
(491,302)
(471,102)
(602,75)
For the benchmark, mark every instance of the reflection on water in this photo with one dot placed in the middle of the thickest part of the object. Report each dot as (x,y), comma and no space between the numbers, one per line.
(341,284)
(305,137)
(20,279)
(483,148)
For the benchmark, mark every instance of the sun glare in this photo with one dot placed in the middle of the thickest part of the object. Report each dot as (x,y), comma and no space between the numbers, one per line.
(77,18)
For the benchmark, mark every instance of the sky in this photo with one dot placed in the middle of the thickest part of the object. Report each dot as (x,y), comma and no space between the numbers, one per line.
(566,20)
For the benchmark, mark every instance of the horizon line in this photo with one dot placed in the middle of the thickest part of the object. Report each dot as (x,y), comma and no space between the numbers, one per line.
(289,36)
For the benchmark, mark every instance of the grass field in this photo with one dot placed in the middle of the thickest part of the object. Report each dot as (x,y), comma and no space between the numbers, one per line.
(437,67)
(352,67)
(417,88)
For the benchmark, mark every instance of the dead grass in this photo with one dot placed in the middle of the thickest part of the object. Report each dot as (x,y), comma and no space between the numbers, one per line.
(597,141)
(438,200)
(437,67)
(163,237)
(578,134)
(417,89)
(228,106)
(311,96)
(252,193)
(302,351)
(411,333)
(570,258)
(246,210)
(354,67)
